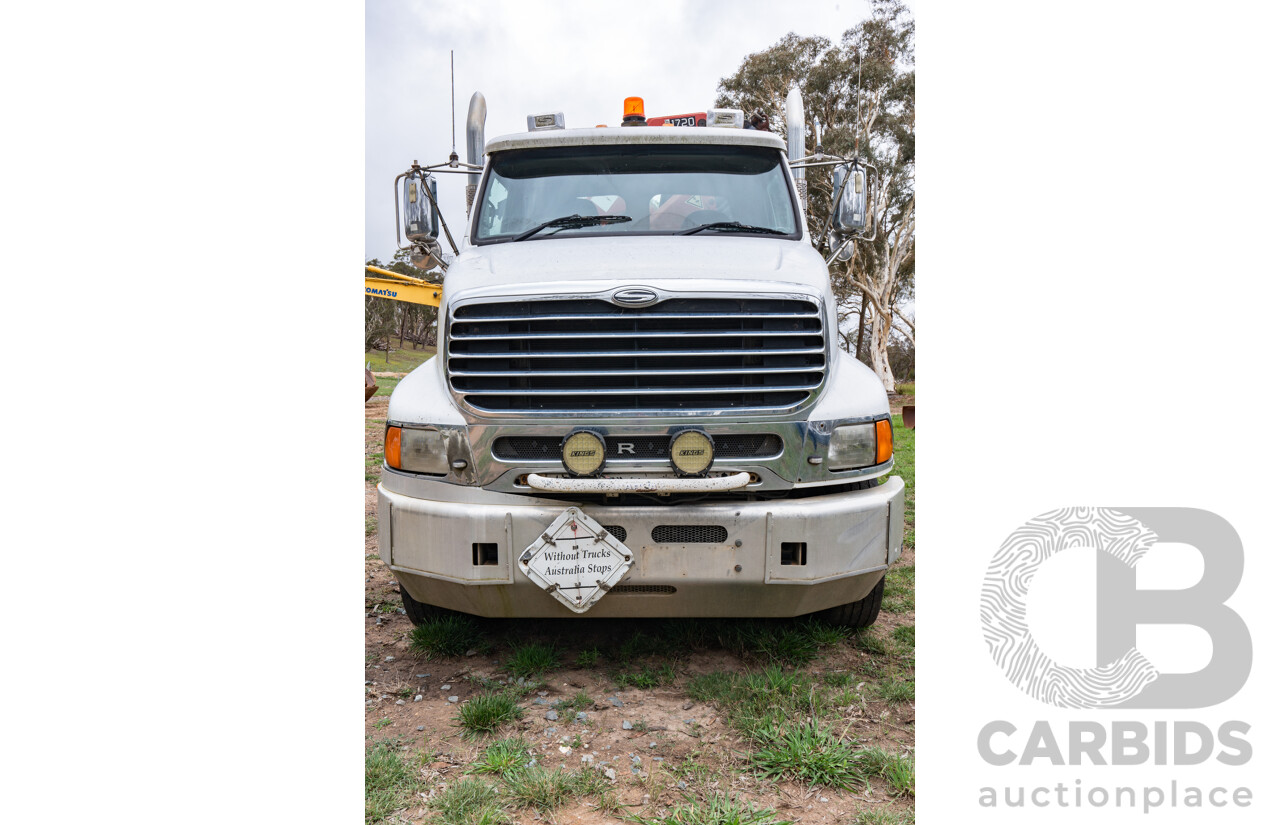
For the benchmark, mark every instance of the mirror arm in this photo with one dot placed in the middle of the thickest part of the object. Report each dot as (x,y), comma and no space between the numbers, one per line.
(395,191)
(839,249)
(443,223)
(832,215)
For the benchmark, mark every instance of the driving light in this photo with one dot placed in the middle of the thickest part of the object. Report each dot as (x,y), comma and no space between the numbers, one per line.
(853,445)
(583,453)
(692,452)
(416,451)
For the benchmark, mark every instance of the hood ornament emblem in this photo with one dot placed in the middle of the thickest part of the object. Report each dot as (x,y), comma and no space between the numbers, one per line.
(634,297)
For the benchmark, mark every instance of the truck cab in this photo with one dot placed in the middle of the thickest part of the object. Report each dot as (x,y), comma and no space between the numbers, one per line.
(639,407)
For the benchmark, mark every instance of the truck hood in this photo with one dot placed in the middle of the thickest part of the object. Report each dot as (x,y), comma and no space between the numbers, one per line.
(669,262)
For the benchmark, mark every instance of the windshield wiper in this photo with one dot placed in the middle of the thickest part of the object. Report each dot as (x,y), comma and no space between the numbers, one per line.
(572,222)
(733,226)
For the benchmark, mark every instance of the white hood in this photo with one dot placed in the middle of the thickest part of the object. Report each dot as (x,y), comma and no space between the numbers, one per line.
(674,263)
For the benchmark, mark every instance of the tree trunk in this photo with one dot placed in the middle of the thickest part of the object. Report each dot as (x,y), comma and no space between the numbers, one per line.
(862,324)
(881,331)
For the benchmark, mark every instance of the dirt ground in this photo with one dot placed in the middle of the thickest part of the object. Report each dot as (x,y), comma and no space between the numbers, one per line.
(683,747)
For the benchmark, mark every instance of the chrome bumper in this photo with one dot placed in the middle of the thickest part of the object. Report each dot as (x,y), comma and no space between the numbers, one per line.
(456,547)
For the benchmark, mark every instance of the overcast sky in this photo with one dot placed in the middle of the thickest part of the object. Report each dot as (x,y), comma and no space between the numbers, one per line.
(531,56)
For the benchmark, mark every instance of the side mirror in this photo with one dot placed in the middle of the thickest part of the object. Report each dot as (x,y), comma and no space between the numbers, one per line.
(849,200)
(421,220)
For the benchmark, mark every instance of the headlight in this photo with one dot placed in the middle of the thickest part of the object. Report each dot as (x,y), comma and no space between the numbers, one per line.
(416,451)
(860,445)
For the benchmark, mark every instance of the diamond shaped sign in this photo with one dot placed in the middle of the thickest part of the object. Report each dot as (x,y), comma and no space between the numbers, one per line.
(576,560)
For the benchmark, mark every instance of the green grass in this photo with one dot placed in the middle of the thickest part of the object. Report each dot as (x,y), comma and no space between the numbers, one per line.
(532,660)
(904,464)
(904,636)
(581,701)
(877,816)
(757,703)
(898,771)
(867,639)
(720,809)
(646,677)
(488,712)
(906,388)
(390,782)
(446,636)
(399,359)
(896,690)
(900,589)
(503,757)
(539,788)
(588,658)
(810,753)
(469,802)
(370,525)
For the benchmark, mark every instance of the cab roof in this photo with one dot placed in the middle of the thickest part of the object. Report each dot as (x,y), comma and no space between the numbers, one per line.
(718,135)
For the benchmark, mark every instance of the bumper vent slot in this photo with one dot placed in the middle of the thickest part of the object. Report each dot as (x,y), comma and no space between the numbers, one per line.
(618,531)
(646,589)
(679,354)
(622,448)
(689,534)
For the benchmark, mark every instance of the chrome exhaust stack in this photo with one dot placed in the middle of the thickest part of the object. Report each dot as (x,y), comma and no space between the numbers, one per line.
(795,142)
(476,113)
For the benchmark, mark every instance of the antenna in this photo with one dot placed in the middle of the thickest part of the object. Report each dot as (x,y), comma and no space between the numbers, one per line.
(858,105)
(453,109)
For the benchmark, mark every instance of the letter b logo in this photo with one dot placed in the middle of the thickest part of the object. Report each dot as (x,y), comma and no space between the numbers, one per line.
(1124,678)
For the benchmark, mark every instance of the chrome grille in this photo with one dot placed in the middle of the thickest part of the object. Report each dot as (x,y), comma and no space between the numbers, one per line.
(680,354)
(622,447)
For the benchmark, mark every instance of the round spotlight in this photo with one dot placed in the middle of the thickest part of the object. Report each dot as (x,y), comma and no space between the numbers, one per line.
(692,452)
(583,453)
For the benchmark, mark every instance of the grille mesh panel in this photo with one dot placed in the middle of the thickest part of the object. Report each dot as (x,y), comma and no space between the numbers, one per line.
(689,534)
(547,448)
(619,532)
(652,589)
(684,353)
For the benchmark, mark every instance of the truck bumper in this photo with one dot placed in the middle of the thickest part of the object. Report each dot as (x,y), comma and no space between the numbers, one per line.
(786,557)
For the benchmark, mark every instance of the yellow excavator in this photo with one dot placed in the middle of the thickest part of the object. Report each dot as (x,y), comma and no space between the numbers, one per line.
(383,283)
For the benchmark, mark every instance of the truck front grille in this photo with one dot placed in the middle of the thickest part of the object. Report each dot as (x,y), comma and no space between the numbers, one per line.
(680,354)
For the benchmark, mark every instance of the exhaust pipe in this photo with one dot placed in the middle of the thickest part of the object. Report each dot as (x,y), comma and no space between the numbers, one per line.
(795,142)
(476,113)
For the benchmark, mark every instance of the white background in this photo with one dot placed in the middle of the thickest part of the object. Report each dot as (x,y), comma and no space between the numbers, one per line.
(1096,297)
(183,206)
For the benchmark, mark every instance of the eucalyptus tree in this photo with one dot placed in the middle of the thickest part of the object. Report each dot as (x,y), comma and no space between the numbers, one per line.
(862,93)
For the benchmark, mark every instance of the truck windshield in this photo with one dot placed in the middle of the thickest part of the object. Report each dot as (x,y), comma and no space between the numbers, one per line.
(660,189)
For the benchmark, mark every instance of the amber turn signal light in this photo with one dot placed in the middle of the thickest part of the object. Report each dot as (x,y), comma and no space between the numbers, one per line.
(392,448)
(884,441)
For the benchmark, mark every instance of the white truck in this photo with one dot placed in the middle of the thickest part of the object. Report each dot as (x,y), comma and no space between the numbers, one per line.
(639,407)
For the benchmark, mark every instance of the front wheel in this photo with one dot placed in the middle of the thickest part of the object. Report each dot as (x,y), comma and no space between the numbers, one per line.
(862,613)
(420,613)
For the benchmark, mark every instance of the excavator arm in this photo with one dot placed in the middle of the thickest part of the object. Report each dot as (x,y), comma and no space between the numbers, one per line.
(393,286)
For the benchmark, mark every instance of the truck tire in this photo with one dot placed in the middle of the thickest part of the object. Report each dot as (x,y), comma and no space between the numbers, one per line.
(420,613)
(862,613)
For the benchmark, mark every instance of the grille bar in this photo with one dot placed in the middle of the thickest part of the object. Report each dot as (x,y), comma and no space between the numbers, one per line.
(579,355)
(611,373)
(653,390)
(659,333)
(632,353)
